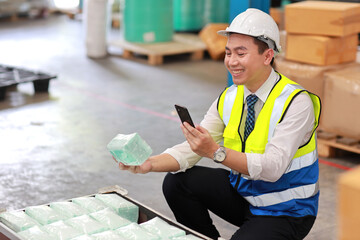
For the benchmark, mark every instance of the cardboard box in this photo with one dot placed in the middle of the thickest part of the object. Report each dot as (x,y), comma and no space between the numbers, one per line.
(323,18)
(214,42)
(311,77)
(340,113)
(321,50)
(278,15)
(349,207)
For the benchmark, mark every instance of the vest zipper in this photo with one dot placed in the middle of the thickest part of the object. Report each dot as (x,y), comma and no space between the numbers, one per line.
(243,148)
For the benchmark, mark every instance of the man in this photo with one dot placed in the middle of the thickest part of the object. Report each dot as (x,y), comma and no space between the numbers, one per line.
(267,124)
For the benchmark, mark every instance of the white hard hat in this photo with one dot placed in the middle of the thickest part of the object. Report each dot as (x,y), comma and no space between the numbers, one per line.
(256,23)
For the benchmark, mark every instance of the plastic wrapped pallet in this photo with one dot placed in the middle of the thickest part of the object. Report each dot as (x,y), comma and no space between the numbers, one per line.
(150,23)
(216,11)
(321,50)
(123,207)
(161,228)
(188,15)
(340,114)
(97,23)
(18,220)
(322,18)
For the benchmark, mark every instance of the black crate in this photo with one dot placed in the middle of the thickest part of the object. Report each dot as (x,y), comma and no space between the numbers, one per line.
(11,76)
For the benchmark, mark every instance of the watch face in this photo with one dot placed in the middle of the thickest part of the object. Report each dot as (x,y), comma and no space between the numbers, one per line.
(220,156)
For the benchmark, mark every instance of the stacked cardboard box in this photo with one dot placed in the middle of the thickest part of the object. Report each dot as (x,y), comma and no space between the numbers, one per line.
(214,42)
(349,208)
(311,77)
(321,38)
(321,32)
(341,113)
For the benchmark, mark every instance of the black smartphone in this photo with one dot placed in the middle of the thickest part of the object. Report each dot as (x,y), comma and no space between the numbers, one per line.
(184,114)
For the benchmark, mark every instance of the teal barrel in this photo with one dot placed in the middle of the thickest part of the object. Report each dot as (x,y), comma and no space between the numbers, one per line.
(147,21)
(189,15)
(217,11)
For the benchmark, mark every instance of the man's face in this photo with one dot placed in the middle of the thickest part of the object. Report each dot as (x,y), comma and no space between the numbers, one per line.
(244,62)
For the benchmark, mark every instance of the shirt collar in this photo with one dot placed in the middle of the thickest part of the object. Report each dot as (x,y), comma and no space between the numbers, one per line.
(263,92)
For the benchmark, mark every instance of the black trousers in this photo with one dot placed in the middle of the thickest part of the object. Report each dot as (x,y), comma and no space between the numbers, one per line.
(192,194)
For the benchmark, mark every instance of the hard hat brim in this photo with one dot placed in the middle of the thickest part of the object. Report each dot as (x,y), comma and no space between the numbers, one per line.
(224,33)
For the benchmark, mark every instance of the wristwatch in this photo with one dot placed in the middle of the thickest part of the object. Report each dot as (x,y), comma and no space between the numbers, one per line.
(220,155)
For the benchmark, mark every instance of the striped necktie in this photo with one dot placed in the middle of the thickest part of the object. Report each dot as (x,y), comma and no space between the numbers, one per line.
(250,118)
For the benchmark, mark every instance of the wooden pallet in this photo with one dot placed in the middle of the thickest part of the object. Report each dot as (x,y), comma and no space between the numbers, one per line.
(329,143)
(11,17)
(182,43)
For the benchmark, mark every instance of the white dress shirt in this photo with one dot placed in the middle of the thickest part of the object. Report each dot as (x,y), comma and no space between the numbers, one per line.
(294,130)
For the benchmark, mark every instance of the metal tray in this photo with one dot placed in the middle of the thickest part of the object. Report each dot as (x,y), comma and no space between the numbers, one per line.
(145,214)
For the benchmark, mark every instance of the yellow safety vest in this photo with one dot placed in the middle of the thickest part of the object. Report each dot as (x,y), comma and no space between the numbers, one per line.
(296,193)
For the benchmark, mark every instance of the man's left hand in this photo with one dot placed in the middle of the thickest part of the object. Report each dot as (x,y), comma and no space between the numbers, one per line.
(200,140)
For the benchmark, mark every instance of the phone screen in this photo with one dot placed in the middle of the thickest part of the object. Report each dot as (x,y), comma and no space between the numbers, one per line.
(184,114)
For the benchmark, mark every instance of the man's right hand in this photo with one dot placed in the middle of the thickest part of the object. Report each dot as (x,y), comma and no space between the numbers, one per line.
(143,168)
(159,163)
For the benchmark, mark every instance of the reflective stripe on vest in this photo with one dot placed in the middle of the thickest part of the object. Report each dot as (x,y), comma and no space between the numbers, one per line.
(284,196)
(229,103)
(302,161)
(279,105)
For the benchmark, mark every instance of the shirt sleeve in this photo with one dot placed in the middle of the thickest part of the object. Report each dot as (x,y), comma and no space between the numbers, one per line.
(293,131)
(183,153)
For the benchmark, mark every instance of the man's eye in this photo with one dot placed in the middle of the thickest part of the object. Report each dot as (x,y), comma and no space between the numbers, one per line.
(241,54)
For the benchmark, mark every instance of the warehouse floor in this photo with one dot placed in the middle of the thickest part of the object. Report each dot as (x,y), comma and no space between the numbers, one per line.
(53,146)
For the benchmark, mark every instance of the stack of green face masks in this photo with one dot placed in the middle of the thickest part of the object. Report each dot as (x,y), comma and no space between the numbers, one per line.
(123,207)
(35,233)
(90,203)
(109,218)
(129,149)
(87,224)
(84,237)
(68,209)
(135,232)
(18,220)
(108,235)
(44,214)
(161,228)
(61,230)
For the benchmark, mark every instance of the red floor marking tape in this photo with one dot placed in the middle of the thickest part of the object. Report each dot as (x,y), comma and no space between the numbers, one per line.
(123,104)
(334,165)
(150,112)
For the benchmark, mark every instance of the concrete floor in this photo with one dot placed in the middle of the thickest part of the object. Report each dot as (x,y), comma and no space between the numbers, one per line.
(53,146)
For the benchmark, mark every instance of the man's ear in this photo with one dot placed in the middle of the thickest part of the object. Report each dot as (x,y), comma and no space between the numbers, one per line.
(269,55)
